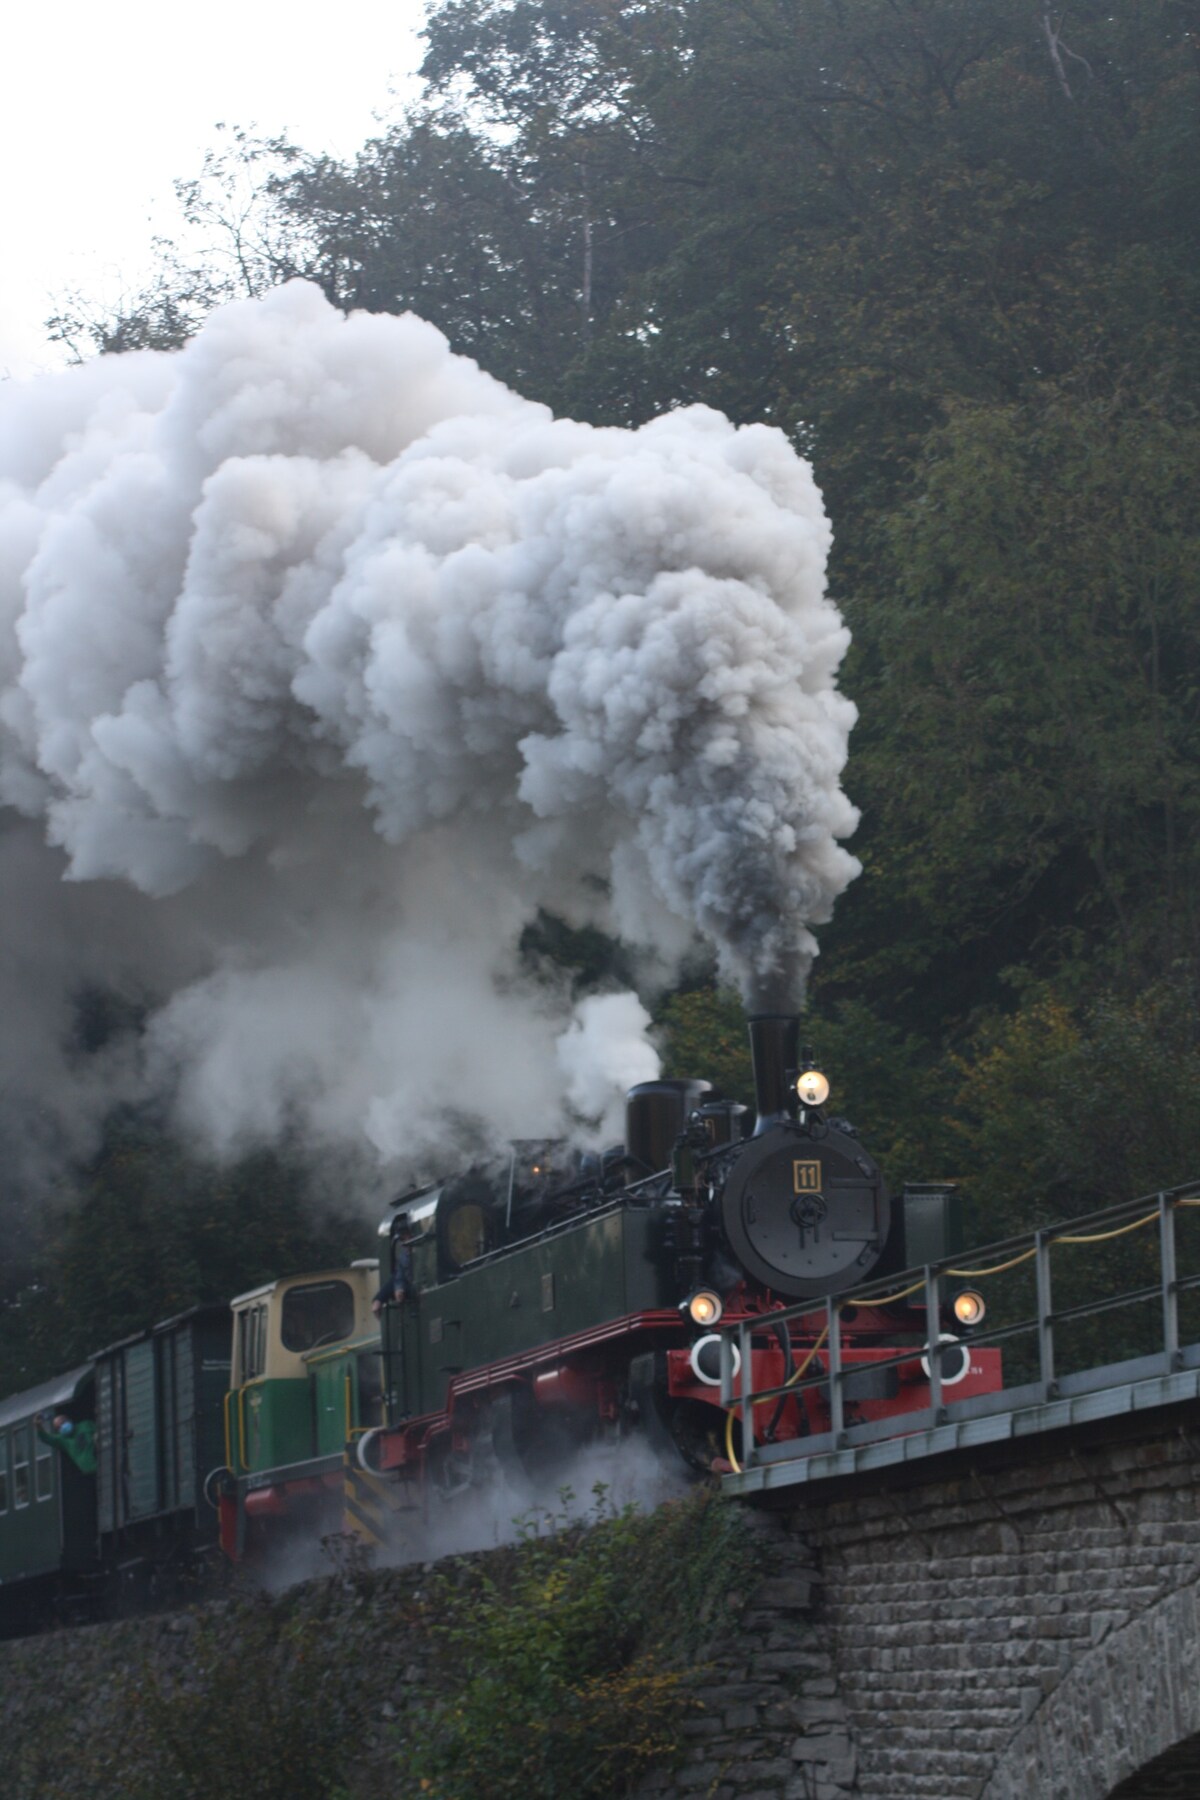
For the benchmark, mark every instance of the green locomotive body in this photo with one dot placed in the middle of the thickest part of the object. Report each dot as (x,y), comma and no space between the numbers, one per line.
(572,1279)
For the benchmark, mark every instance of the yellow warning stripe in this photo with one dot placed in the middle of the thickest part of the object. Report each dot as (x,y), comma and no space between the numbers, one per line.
(355,1522)
(371,1502)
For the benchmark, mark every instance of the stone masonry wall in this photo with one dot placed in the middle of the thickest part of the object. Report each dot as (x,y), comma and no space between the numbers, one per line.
(770,1720)
(974,1619)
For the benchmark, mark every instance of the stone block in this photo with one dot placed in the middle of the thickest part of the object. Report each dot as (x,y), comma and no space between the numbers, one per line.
(829,1746)
(775,1662)
(698,1775)
(787,1593)
(729,1692)
(759,1771)
(820,1711)
(843,1771)
(702,1728)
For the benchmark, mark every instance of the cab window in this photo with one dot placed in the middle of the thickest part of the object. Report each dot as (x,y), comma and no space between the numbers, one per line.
(319,1312)
(252,1342)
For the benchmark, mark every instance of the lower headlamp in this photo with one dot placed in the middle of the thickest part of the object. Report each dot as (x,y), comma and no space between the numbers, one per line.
(703,1307)
(969,1307)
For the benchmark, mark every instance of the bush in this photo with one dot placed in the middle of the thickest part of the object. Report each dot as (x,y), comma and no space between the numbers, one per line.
(261,1711)
(564,1666)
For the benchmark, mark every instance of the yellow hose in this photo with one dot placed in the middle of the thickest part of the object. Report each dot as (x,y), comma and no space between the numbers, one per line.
(794,1377)
(1101,1237)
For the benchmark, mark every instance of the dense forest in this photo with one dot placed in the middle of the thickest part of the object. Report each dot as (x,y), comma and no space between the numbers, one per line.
(950,248)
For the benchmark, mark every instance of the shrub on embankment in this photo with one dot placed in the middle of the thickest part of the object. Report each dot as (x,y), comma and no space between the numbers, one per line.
(556,1667)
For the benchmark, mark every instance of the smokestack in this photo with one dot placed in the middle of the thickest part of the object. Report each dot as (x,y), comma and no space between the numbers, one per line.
(774,1047)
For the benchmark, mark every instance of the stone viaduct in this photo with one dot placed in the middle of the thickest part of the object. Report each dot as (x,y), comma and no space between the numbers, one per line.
(1015,1622)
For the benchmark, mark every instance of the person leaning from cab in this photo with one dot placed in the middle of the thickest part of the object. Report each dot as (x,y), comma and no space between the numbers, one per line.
(400,1285)
(78,1441)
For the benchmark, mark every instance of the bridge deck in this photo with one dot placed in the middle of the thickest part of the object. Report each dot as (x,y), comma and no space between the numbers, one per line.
(819,1459)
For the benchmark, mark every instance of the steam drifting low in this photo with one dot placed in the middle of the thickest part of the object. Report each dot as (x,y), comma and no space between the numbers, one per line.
(326,661)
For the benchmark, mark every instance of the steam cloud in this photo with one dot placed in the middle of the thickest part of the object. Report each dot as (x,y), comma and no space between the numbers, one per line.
(325,661)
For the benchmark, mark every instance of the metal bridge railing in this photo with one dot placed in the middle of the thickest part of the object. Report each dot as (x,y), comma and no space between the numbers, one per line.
(1075,1308)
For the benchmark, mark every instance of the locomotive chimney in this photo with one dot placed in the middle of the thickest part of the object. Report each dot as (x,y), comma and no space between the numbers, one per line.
(774,1044)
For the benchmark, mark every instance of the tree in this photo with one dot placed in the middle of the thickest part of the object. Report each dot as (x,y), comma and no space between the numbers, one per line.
(151,1230)
(1033,751)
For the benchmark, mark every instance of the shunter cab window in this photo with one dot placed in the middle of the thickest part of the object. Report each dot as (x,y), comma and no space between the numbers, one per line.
(252,1342)
(320,1312)
(21,1466)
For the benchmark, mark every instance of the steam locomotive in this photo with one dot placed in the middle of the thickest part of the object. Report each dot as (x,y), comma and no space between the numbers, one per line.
(524,1310)
(565,1298)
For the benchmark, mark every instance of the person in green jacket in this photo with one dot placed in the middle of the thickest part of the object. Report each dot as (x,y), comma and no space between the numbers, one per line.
(78,1441)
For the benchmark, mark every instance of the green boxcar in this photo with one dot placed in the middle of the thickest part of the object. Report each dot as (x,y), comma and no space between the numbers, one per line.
(570,1279)
(159,1428)
(47,1507)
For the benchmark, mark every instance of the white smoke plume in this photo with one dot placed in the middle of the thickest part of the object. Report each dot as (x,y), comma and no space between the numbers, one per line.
(326,661)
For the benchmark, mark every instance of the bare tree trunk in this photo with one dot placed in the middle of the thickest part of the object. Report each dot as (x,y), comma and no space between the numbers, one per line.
(587,261)
(1053,36)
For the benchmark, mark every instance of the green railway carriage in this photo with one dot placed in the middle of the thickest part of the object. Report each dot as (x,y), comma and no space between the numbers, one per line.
(47,1506)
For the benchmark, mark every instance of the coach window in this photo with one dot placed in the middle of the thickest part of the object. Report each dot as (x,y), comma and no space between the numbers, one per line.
(3,1472)
(20,1444)
(320,1312)
(43,1467)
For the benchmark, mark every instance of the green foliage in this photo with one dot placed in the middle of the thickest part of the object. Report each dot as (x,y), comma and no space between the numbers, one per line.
(1042,687)
(558,1668)
(703,1033)
(259,1706)
(591,957)
(151,1230)
(1062,1110)
(260,1712)
(565,1666)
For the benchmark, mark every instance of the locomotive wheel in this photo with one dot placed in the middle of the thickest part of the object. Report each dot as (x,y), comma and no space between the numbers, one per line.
(677,1431)
(532,1447)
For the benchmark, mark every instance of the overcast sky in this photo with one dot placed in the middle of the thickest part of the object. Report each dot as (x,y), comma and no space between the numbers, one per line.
(102,107)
